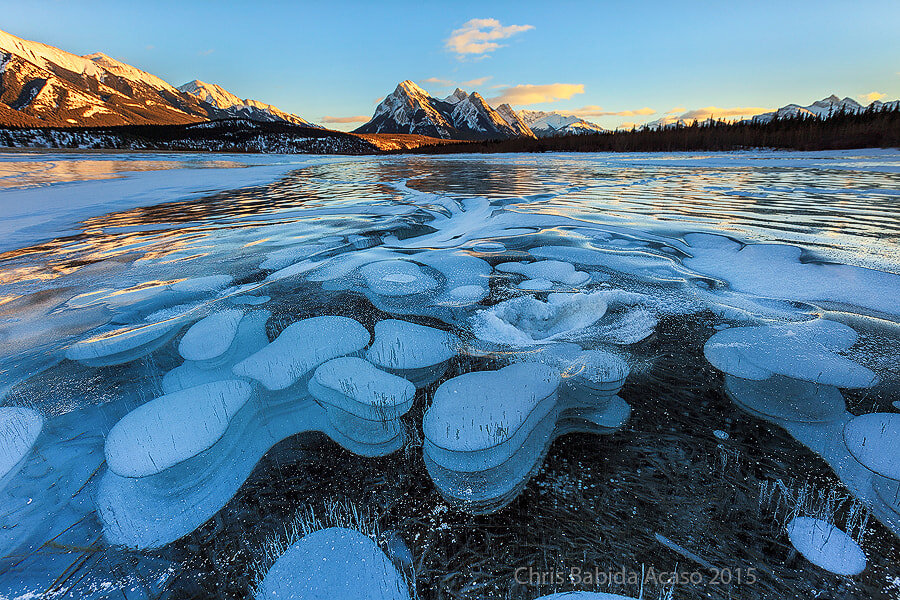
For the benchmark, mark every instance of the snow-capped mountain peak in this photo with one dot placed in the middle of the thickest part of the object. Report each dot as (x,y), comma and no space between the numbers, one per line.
(230,105)
(513,119)
(547,124)
(126,71)
(457,96)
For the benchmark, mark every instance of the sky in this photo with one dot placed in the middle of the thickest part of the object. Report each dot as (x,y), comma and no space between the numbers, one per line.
(613,63)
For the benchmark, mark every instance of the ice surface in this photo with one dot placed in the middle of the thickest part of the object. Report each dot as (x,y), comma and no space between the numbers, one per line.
(330,564)
(279,259)
(211,336)
(207,283)
(125,344)
(806,350)
(826,546)
(642,264)
(874,440)
(41,213)
(416,352)
(300,348)
(173,428)
(19,429)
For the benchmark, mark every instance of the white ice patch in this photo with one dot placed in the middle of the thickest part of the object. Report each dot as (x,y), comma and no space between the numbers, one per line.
(358,387)
(547,270)
(775,271)
(525,321)
(806,351)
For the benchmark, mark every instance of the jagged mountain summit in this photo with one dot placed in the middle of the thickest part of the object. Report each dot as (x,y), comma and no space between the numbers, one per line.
(231,106)
(41,85)
(549,124)
(410,109)
(823,108)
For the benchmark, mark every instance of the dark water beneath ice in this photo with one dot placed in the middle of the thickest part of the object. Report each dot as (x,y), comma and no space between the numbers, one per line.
(726,442)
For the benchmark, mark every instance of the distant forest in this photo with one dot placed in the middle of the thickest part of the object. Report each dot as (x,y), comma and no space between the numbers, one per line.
(866,129)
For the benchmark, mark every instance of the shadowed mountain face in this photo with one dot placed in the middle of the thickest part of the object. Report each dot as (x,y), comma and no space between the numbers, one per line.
(44,86)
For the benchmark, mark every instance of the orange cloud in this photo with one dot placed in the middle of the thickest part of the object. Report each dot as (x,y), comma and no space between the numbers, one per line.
(675,111)
(477,82)
(597,111)
(871,97)
(358,119)
(716,112)
(479,36)
(436,81)
(535,94)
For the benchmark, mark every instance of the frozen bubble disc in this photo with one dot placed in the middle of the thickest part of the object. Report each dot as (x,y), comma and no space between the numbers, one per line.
(211,336)
(333,563)
(301,347)
(416,352)
(173,428)
(826,546)
(787,399)
(874,441)
(358,387)
(19,430)
(807,351)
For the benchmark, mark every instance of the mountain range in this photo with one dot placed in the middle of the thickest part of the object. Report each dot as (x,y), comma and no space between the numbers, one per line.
(44,86)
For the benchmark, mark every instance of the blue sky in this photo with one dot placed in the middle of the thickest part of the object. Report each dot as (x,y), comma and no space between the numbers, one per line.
(641,59)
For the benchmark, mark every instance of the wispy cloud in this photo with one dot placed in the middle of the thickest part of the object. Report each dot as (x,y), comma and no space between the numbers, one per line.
(519,95)
(675,111)
(206,52)
(478,37)
(378,100)
(717,112)
(438,81)
(477,82)
(357,119)
(597,111)
(871,97)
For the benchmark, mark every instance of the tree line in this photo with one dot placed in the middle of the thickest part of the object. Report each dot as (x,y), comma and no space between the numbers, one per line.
(870,128)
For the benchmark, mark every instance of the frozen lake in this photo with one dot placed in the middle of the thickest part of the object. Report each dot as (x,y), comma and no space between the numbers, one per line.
(494,366)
